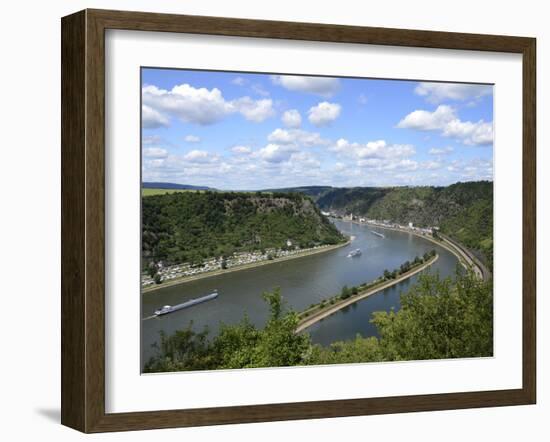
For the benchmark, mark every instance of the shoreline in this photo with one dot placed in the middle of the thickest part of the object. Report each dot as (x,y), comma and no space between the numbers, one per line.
(457,250)
(308,322)
(252,265)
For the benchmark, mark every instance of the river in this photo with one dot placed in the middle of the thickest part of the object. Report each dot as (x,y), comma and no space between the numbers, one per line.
(303,281)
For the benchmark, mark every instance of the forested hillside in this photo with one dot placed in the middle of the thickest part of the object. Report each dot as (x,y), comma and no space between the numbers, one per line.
(463,211)
(193,226)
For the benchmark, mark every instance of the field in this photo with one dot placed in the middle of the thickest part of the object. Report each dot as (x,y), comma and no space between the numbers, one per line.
(151,192)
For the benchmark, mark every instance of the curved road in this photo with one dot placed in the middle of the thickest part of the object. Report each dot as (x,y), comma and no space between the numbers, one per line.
(481,271)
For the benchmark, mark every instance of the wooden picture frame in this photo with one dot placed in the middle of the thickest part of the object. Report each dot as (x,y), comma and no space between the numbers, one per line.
(83,219)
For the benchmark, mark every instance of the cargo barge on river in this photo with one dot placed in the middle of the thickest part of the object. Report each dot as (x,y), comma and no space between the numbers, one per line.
(173,308)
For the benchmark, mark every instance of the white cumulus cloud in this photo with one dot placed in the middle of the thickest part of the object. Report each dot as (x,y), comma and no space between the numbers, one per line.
(378,155)
(323,86)
(445,120)
(426,120)
(203,106)
(292,118)
(192,139)
(241,150)
(438,92)
(239,81)
(200,156)
(480,133)
(155,152)
(373,149)
(324,113)
(473,169)
(274,153)
(152,119)
(441,151)
(254,110)
(296,137)
(300,161)
(432,165)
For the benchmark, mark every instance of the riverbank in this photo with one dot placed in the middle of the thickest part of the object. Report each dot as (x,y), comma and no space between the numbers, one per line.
(252,265)
(481,271)
(330,310)
(454,247)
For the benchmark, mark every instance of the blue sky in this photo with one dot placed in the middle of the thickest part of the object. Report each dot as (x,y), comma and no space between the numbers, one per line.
(256,131)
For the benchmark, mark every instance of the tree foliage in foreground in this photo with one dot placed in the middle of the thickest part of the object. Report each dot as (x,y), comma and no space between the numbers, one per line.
(236,346)
(439,318)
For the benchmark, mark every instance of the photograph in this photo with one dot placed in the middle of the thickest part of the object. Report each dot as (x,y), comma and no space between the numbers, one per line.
(305,220)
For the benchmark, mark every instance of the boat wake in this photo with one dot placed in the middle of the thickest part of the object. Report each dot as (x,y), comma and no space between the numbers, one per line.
(354,253)
(174,308)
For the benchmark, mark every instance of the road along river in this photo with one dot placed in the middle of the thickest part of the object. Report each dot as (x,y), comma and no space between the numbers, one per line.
(303,281)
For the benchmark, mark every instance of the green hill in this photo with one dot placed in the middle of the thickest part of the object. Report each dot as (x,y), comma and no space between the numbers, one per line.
(314,192)
(464,211)
(193,226)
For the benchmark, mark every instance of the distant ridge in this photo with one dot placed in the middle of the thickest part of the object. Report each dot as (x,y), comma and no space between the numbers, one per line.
(312,191)
(173,186)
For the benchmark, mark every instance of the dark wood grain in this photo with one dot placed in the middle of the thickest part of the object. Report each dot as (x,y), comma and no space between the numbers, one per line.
(83,219)
(73,252)
(529,220)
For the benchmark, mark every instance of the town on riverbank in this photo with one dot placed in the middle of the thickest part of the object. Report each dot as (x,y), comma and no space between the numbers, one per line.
(178,274)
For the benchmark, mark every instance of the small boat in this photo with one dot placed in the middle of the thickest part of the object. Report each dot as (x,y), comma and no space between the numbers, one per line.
(381,235)
(173,308)
(354,253)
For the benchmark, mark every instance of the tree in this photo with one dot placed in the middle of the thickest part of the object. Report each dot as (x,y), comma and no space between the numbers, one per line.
(279,344)
(346,292)
(152,269)
(183,350)
(405,267)
(439,318)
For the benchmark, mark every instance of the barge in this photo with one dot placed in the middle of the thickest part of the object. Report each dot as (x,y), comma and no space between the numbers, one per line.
(174,308)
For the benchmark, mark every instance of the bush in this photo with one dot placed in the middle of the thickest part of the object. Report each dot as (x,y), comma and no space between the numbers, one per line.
(346,292)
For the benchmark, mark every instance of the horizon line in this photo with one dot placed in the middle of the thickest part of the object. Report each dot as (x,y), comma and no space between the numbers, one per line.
(310,185)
